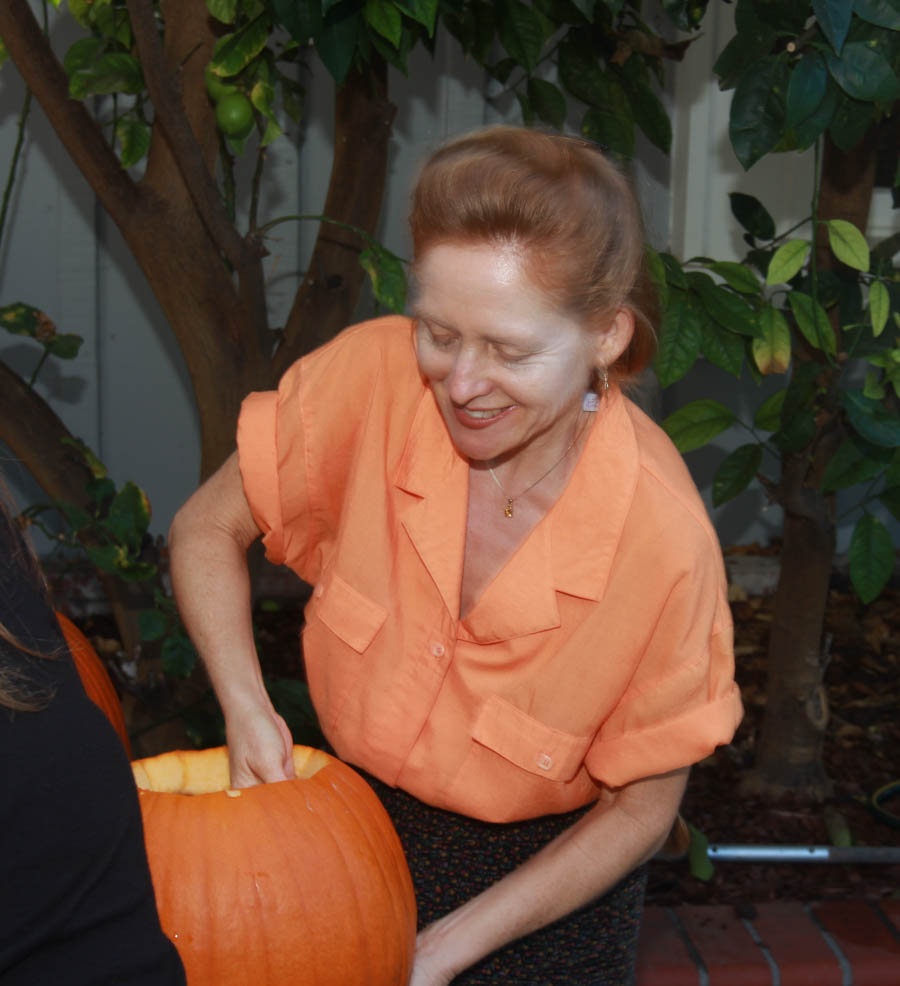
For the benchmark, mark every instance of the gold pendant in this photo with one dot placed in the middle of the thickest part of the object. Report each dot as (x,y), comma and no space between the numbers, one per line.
(507,510)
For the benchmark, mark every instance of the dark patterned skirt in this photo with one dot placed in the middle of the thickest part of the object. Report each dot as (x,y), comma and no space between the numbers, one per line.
(452,858)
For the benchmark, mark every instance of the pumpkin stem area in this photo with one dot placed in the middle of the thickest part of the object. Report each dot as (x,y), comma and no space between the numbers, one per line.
(206,771)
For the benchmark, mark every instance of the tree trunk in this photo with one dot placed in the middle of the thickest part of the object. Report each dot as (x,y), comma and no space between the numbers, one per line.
(789,753)
(325,303)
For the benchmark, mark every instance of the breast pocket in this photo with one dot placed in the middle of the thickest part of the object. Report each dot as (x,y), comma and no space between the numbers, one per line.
(340,628)
(529,743)
(350,615)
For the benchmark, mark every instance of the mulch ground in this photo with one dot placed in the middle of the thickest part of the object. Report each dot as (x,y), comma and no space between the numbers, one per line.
(862,755)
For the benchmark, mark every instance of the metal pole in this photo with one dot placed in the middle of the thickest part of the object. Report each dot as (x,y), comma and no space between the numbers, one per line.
(804,854)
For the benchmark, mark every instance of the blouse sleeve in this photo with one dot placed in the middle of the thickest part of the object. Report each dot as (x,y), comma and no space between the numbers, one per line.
(682,701)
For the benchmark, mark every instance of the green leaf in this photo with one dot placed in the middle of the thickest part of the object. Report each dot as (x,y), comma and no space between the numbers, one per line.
(262,95)
(152,624)
(787,261)
(797,432)
(722,348)
(234,52)
(680,338)
(874,387)
(890,497)
(26,320)
(737,276)
(423,11)
(851,120)
(807,131)
(63,345)
(697,423)
(813,322)
(129,516)
(752,215)
(871,419)
(336,42)
(768,414)
(853,463)
(879,306)
(806,90)
(848,244)
(698,856)
(82,54)
(385,18)
(883,13)
(834,20)
(580,74)
(685,14)
(772,348)
(302,19)
(178,656)
(647,108)
(864,74)
(614,132)
(657,269)
(727,308)
(758,107)
(522,33)
(871,557)
(385,271)
(112,72)
(224,11)
(674,272)
(735,473)
(134,139)
(548,101)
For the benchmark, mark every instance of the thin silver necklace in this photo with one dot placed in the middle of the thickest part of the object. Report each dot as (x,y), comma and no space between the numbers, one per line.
(510,500)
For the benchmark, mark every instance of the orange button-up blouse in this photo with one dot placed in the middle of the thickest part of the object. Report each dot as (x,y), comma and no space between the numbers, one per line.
(600,654)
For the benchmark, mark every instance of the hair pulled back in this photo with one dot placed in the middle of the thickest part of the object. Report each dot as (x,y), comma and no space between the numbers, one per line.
(567,207)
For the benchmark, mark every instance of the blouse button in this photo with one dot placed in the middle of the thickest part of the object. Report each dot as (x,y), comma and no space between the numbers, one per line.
(544,761)
(437,649)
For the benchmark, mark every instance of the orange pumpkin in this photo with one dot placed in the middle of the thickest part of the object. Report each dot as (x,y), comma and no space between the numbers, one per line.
(296,883)
(95,677)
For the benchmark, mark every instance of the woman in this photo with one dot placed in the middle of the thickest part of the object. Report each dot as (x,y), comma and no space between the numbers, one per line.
(77,904)
(519,626)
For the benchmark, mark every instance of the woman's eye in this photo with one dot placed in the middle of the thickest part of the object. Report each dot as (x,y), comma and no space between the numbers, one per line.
(442,342)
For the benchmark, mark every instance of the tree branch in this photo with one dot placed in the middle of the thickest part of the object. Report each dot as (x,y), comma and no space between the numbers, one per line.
(79,132)
(34,433)
(325,303)
(185,149)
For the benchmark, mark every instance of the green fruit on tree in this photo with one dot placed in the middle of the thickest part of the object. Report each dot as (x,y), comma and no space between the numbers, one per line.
(234,115)
(216,85)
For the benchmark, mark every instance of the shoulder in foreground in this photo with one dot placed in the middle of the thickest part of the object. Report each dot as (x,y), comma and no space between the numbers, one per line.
(669,477)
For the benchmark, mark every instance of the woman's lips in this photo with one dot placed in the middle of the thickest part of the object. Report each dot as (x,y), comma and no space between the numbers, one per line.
(477,418)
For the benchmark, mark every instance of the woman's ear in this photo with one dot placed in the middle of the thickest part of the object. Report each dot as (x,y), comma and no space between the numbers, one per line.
(613,340)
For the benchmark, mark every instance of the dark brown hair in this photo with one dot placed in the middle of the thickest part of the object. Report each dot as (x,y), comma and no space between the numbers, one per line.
(568,207)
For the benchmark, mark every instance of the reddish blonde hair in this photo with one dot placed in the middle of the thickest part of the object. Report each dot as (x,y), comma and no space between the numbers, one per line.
(568,208)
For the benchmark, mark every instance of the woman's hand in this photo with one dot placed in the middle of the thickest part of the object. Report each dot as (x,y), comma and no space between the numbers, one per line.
(429,969)
(260,749)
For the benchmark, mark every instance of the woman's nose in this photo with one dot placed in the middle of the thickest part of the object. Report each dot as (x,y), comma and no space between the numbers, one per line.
(469,378)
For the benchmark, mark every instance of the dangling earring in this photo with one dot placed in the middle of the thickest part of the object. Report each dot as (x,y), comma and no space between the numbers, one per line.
(603,373)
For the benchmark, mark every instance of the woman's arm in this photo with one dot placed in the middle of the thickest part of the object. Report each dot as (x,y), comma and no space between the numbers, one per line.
(575,868)
(208,544)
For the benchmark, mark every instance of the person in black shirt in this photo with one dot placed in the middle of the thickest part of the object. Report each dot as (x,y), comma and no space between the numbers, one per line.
(76,897)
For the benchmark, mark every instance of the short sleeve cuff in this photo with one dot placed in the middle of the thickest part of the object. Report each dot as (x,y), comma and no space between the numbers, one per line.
(679,742)
(258,462)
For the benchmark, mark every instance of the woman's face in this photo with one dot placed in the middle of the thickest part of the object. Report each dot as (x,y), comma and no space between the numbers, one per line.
(508,369)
